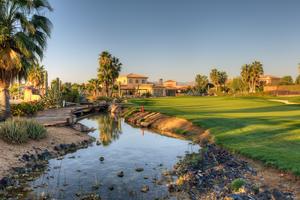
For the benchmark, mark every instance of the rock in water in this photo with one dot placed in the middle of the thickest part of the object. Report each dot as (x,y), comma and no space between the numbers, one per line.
(145,188)
(120,174)
(111,187)
(101,158)
(139,169)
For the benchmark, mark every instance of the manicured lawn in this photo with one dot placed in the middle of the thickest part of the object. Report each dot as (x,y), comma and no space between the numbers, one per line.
(255,127)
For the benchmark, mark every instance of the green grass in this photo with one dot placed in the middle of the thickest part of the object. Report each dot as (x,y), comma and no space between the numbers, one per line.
(252,126)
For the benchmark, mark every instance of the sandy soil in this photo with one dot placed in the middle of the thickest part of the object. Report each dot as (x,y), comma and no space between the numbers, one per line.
(274,178)
(10,154)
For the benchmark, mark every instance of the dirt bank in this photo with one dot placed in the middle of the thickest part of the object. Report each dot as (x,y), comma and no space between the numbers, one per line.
(215,172)
(11,155)
(171,126)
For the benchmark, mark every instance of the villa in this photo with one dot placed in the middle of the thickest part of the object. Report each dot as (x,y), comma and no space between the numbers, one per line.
(269,80)
(136,84)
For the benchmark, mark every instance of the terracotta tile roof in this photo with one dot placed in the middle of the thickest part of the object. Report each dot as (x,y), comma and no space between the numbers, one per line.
(132,75)
(170,81)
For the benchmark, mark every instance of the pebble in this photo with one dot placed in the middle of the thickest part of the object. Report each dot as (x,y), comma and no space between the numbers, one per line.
(139,169)
(145,188)
(120,174)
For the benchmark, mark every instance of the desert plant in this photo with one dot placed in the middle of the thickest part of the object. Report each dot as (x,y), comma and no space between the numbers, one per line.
(35,130)
(13,131)
(17,131)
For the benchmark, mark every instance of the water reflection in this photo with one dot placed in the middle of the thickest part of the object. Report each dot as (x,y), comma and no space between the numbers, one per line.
(109,127)
(124,148)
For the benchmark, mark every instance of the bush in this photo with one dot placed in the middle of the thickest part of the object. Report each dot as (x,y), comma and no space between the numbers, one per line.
(26,108)
(237,184)
(104,98)
(13,131)
(20,131)
(35,130)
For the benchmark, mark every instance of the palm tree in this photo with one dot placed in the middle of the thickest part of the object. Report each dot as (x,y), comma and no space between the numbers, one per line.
(255,73)
(108,71)
(94,86)
(36,75)
(250,75)
(214,78)
(245,74)
(201,83)
(23,35)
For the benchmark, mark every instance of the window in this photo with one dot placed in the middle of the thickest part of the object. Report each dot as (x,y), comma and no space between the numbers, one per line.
(136,81)
(130,80)
(143,81)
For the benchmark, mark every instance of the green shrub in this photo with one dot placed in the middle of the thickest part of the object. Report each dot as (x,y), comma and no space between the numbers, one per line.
(26,108)
(20,131)
(180,131)
(13,131)
(237,184)
(35,130)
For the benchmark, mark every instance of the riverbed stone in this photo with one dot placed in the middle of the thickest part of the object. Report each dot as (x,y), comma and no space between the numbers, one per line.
(111,187)
(120,174)
(139,169)
(145,188)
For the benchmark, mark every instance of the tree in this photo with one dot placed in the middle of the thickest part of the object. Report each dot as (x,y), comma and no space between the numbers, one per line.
(108,71)
(237,85)
(214,77)
(297,81)
(223,78)
(93,87)
(286,80)
(201,83)
(36,75)
(250,75)
(69,93)
(24,30)
(245,75)
(255,73)
(218,78)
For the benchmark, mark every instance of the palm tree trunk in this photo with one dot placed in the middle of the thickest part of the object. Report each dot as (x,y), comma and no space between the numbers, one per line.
(4,102)
(107,89)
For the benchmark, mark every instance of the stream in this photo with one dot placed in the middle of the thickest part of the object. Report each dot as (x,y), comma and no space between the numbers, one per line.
(123,163)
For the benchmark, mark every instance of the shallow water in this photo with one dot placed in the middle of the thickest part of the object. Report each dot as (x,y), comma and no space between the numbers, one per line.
(124,148)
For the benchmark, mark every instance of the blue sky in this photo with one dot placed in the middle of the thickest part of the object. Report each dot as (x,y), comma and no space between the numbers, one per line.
(173,39)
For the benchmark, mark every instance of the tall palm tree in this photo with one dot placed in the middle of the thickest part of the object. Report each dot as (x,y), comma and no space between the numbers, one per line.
(23,35)
(108,71)
(36,75)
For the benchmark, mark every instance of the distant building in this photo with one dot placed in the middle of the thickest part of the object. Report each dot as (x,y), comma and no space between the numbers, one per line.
(136,84)
(170,83)
(31,94)
(132,79)
(269,80)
